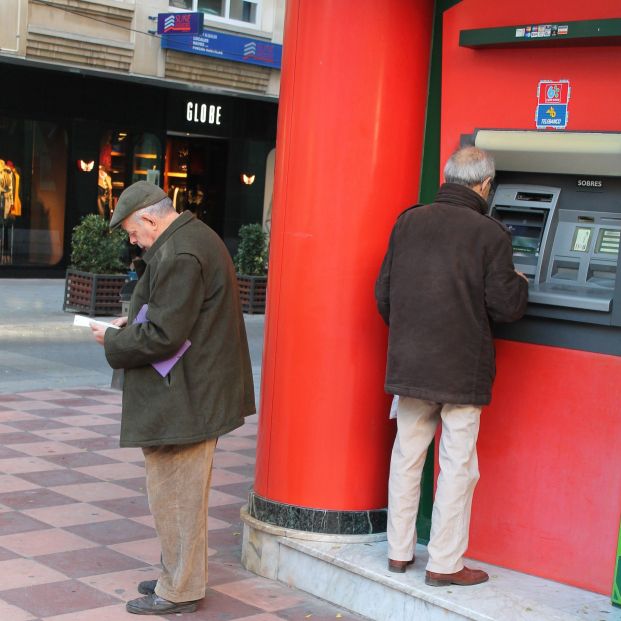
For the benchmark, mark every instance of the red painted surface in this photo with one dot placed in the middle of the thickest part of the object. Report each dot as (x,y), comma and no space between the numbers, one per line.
(497,88)
(549,498)
(350,129)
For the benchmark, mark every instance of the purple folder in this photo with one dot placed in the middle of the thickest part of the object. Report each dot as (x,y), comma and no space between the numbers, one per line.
(163,367)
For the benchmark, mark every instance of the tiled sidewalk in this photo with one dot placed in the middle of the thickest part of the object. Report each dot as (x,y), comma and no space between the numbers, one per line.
(76,535)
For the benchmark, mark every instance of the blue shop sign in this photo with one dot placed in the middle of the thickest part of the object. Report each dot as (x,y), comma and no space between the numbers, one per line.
(227,47)
(551,116)
(180,23)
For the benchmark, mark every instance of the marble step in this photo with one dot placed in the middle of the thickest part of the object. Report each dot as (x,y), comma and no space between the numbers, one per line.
(351,572)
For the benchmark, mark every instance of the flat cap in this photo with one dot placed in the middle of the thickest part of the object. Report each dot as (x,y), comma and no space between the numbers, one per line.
(136,196)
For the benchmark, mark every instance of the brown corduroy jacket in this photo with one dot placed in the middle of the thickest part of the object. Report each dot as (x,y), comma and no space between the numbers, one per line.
(447,274)
(190,288)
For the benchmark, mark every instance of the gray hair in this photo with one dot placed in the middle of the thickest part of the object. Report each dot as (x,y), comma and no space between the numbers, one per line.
(469,166)
(159,210)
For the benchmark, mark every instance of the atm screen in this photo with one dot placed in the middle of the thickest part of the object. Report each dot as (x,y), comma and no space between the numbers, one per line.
(526,228)
(525,239)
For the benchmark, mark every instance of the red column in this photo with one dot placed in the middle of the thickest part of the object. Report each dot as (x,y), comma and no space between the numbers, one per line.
(348,158)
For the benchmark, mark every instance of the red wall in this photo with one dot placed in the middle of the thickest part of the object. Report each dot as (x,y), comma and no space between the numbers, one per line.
(549,498)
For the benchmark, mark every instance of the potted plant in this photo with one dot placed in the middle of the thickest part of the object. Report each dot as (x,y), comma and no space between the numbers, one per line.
(98,269)
(251,266)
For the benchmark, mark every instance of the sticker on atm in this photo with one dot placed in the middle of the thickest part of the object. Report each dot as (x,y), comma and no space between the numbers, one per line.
(551,116)
(552,104)
(553,92)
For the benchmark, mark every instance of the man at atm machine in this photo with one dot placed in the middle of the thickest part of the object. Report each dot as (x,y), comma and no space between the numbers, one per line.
(447,273)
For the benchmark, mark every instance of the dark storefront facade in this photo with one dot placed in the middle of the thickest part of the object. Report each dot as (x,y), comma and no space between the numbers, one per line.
(71,141)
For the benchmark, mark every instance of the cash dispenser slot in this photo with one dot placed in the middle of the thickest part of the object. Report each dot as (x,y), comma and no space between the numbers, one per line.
(540,197)
(563,269)
(602,274)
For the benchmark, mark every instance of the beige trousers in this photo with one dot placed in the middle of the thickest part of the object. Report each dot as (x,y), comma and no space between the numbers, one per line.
(178,481)
(417,421)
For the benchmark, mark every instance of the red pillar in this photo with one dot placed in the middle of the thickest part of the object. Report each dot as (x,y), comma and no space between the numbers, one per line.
(348,158)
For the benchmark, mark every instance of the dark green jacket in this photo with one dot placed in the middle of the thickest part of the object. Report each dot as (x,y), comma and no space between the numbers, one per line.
(190,287)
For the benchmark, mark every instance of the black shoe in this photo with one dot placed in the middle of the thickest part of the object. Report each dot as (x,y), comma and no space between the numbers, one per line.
(154,605)
(146,587)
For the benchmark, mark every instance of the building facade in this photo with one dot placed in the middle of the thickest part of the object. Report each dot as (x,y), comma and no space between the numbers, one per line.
(102,93)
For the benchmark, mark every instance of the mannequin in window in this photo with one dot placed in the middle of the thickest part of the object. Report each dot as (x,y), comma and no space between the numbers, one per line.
(6,190)
(6,217)
(16,209)
(104,193)
(196,201)
(178,196)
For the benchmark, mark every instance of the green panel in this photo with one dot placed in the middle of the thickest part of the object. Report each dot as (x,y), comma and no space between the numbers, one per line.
(423,521)
(616,585)
(430,170)
(585,32)
(429,183)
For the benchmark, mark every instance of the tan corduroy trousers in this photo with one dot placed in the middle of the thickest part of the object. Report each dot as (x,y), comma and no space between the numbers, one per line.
(178,481)
(417,422)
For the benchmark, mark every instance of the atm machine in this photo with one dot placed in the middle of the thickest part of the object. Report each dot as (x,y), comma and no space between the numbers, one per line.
(548,501)
(569,253)
(559,195)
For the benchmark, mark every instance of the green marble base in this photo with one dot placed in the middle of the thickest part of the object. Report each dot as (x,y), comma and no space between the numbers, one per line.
(316,520)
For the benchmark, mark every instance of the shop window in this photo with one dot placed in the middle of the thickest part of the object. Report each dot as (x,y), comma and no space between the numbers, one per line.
(245,11)
(147,159)
(176,172)
(195,177)
(33,187)
(112,173)
(125,158)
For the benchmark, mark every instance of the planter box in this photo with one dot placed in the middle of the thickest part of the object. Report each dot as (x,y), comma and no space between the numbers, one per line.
(252,293)
(94,294)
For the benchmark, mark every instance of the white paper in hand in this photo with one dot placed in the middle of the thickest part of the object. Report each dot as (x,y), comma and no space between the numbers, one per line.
(85,322)
(394,407)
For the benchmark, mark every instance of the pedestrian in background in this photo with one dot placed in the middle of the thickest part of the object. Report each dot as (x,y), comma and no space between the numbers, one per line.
(187,293)
(447,274)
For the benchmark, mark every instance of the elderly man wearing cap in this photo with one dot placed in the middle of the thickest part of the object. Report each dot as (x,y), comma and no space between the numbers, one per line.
(189,292)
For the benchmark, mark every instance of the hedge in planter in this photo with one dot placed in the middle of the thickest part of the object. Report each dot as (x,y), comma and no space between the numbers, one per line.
(251,265)
(98,269)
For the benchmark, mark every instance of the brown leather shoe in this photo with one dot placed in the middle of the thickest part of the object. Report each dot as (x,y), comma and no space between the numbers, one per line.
(465,577)
(399,567)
